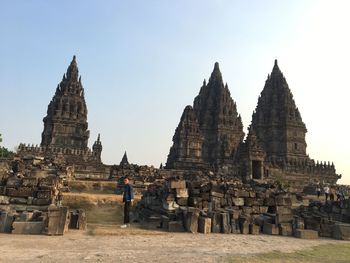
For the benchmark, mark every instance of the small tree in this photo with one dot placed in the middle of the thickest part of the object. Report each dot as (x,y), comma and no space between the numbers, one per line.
(4,152)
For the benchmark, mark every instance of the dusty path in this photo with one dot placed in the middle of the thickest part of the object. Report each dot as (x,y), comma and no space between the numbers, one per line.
(140,247)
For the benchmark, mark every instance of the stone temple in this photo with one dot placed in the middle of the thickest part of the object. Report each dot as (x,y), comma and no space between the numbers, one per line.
(66,135)
(210,135)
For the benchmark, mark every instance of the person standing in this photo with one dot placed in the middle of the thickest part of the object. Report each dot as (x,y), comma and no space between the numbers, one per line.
(318,191)
(326,191)
(128,198)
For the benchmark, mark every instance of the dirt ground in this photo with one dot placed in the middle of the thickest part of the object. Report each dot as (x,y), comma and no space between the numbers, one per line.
(112,244)
(105,241)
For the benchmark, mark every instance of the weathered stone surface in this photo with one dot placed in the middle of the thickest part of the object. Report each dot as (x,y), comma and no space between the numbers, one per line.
(176,226)
(306,234)
(208,133)
(4,200)
(270,229)
(254,229)
(181,192)
(192,221)
(341,231)
(244,228)
(285,229)
(6,220)
(225,223)
(34,228)
(178,184)
(238,201)
(58,222)
(204,225)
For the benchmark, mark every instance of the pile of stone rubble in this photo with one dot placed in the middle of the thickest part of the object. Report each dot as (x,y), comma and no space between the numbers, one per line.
(216,206)
(30,195)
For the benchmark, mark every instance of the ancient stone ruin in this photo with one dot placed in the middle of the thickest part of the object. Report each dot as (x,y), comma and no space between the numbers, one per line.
(212,205)
(215,179)
(210,136)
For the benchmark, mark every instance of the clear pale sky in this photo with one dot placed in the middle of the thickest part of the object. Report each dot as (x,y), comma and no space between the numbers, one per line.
(142,62)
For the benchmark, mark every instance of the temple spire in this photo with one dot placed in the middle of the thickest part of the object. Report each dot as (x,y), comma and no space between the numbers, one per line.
(276,70)
(216,77)
(124,160)
(72,71)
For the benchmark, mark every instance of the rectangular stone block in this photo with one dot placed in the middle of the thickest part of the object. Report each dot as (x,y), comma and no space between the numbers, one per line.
(6,220)
(244,228)
(225,223)
(284,218)
(18,200)
(30,181)
(326,228)
(270,229)
(4,200)
(306,234)
(178,184)
(204,225)
(285,229)
(283,210)
(58,222)
(38,201)
(241,193)
(215,222)
(247,210)
(181,192)
(216,194)
(176,226)
(191,224)
(44,194)
(254,229)
(182,201)
(341,231)
(263,209)
(30,228)
(235,227)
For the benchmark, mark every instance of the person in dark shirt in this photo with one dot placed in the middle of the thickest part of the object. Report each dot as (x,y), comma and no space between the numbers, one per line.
(128,198)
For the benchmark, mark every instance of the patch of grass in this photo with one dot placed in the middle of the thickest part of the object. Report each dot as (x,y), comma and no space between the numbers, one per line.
(335,253)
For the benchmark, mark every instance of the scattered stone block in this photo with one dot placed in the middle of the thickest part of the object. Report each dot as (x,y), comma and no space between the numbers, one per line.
(254,229)
(6,220)
(181,192)
(238,201)
(225,223)
(176,226)
(341,231)
(58,222)
(178,184)
(192,221)
(204,225)
(306,234)
(285,229)
(270,229)
(30,228)
(215,223)
(244,228)
(4,200)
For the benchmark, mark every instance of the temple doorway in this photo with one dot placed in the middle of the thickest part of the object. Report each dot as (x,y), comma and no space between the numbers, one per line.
(257,169)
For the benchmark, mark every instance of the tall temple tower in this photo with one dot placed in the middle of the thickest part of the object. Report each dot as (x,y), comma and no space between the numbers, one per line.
(65,125)
(219,121)
(277,121)
(186,151)
(208,134)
